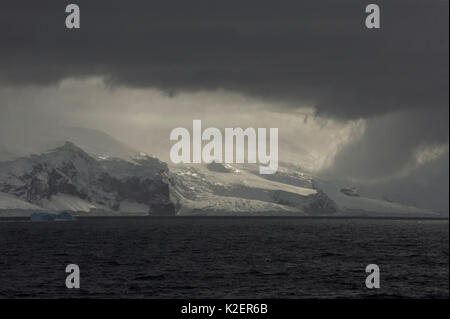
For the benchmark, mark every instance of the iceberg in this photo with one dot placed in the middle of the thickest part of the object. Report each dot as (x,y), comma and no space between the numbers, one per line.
(49,216)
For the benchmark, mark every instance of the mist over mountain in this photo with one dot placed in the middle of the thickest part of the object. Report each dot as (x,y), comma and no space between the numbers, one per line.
(19,141)
(102,176)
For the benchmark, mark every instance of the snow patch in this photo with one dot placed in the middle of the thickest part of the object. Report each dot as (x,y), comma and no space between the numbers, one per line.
(60,202)
(8,201)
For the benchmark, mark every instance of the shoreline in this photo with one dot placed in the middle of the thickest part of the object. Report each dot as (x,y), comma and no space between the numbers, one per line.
(24,218)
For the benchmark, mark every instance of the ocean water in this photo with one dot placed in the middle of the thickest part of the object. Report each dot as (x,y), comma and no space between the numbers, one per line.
(225,258)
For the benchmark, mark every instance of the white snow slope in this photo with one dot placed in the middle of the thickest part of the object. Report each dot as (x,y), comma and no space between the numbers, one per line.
(240,190)
(224,189)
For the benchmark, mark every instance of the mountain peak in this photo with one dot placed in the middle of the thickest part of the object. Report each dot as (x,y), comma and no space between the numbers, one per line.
(69,147)
(68,152)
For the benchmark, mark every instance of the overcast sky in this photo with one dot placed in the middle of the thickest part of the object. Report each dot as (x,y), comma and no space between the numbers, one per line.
(366,104)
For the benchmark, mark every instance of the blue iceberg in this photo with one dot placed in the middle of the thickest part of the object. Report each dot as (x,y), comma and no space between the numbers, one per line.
(50,216)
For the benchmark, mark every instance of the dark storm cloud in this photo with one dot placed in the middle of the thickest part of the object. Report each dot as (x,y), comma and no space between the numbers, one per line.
(390,142)
(317,52)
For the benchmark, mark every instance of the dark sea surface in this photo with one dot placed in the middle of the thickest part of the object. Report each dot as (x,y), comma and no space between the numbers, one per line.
(225,258)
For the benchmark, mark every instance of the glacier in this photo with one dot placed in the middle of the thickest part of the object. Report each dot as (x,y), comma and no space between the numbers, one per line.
(97,175)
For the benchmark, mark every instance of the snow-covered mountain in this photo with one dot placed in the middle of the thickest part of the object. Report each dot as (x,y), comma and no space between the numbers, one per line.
(225,189)
(68,178)
(99,175)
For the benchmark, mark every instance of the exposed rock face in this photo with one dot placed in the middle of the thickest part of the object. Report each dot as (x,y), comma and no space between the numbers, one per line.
(218,167)
(350,191)
(315,204)
(322,205)
(104,183)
